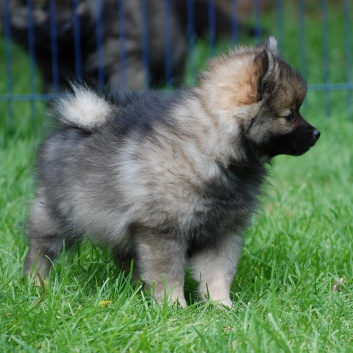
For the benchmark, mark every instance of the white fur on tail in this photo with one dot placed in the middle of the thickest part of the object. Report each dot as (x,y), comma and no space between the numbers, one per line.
(84,108)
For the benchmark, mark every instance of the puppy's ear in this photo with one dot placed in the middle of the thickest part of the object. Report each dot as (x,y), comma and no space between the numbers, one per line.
(266,69)
(271,45)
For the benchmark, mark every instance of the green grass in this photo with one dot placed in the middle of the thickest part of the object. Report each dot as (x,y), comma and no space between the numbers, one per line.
(299,244)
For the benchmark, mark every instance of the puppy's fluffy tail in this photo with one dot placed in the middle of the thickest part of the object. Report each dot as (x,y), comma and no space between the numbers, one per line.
(83,109)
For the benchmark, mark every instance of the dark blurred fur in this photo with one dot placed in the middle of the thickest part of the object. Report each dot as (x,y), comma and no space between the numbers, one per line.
(229,17)
(169,180)
(88,14)
(117,72)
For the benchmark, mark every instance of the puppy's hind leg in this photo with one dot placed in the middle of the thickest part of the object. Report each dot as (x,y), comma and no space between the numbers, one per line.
(215,268)
(45,241)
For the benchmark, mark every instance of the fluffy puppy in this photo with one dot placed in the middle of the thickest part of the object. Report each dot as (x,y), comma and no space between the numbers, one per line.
(169,180)
(119,43)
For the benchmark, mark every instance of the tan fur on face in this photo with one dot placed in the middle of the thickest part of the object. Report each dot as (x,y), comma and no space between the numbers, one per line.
(232,81)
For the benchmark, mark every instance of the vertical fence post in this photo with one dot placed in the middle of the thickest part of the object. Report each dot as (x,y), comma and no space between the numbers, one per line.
(54,46)
(257,16)
(77,40)
(32,55)
(212,26)
(145,43)
(168,45)
(325,56)
(348,49)
(234,23)
(99,38)
(9,85)
(303,58)
(122,40)
(280,28)
(191,38)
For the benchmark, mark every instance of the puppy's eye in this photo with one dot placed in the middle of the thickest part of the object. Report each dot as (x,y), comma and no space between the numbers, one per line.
(291,118)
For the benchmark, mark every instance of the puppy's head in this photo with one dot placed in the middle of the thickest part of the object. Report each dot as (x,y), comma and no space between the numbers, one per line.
(262,95)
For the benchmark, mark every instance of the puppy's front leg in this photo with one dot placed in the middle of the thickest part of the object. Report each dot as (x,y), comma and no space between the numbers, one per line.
(215,268)
(161,262)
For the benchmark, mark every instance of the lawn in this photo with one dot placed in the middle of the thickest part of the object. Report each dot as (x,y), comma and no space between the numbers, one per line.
(294,287)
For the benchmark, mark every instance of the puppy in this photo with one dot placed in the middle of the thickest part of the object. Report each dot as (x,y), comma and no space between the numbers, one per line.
(118,43)
(173,180)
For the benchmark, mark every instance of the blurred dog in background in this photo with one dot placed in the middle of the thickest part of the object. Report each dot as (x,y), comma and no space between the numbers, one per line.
(118,43)
(120,61)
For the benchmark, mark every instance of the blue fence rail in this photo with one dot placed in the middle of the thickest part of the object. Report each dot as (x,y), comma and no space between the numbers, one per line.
(152,43)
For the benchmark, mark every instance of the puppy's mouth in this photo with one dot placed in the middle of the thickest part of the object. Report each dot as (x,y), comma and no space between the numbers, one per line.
(301,144)
(294,144)
(311,141)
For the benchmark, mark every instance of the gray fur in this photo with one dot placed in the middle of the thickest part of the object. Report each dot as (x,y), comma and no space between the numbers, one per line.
(120,62)
(166,180)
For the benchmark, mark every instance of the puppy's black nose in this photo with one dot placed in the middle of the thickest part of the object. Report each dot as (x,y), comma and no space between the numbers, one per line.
(316,134)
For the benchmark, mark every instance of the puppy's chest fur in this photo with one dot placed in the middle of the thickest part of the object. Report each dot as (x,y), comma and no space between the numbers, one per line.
(173,181)
(225,204)
(179,199)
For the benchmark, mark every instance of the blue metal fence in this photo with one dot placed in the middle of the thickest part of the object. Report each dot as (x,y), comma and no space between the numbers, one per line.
(121,9)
